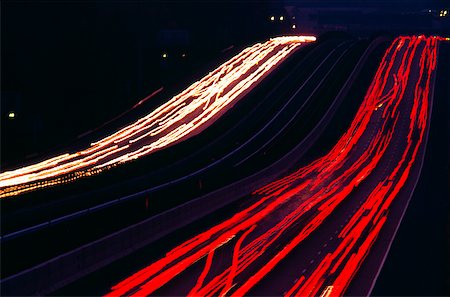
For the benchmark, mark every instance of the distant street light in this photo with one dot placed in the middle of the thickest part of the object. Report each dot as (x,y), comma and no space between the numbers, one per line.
(272,18)
(293,26)
(11,115)
(281,18)
(164,55)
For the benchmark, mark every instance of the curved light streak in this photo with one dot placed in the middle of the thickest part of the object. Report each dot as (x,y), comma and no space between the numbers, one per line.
(184,116)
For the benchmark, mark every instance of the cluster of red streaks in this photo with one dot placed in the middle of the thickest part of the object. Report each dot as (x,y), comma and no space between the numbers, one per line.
(316,189)
(342,264)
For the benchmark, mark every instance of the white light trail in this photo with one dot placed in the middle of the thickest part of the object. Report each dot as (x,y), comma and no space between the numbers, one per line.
(183,116)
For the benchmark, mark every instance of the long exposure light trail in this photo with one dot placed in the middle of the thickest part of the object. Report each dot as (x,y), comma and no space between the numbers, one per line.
(185,115)
(392,118)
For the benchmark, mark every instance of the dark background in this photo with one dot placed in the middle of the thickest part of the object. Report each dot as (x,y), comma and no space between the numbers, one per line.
(70,66)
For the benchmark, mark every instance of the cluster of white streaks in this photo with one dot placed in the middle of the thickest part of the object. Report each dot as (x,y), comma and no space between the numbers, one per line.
(185,115)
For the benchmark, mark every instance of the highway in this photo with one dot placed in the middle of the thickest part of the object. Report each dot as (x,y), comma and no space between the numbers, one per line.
(307,233)
(300,231)
(289,110)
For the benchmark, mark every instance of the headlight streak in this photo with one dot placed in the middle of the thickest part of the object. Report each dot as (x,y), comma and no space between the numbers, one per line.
(185,115)
(294,206)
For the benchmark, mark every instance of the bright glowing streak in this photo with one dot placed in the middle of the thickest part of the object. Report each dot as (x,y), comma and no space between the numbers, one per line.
(327,291)
(183,116)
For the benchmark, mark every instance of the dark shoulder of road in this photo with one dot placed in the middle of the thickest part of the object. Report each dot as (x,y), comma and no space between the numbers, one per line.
(418,261)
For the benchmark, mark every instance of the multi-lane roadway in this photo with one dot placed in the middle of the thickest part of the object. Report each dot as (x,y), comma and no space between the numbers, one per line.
(308,231)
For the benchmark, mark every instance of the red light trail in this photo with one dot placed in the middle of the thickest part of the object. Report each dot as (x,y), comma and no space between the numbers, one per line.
(393,116)
(185,115)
